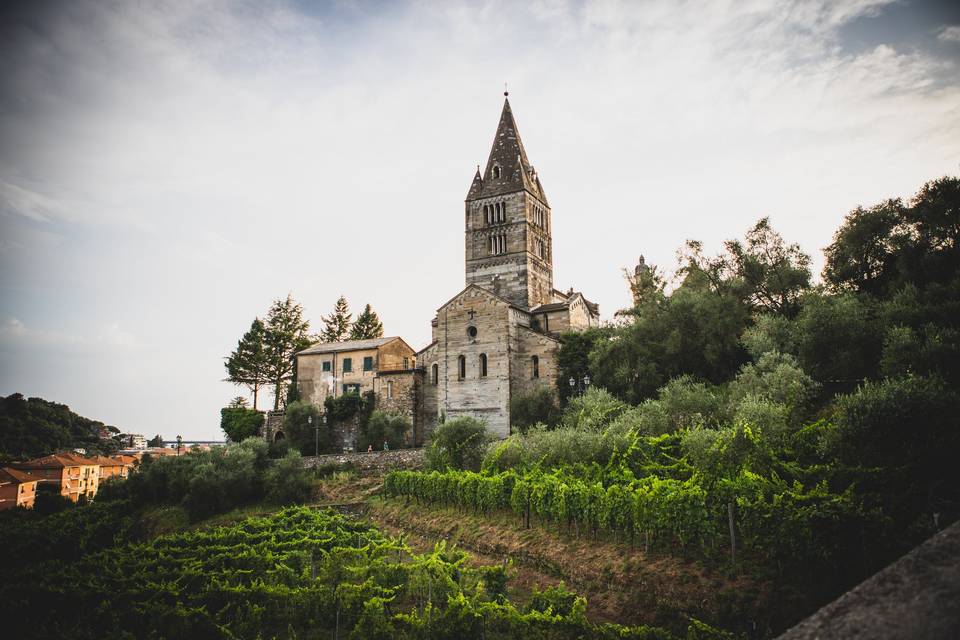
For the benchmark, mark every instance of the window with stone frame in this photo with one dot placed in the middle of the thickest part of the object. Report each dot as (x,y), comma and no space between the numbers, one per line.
(461,367)
(535,362)
(368,363)
(347,365)
(483,365)
(326,365)
(389,389)
(436,373)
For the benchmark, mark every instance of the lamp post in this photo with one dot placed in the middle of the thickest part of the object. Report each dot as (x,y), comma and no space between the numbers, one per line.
(316,433)
(578,387)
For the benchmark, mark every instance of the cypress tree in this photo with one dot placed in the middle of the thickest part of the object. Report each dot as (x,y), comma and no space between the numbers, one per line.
(337,324)
(367,326)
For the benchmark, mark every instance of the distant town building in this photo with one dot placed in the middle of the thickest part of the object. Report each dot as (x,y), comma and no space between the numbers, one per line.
(67,474)
(133,441)
(17,489)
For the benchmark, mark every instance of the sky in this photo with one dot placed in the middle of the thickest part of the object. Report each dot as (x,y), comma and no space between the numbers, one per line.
(168,169)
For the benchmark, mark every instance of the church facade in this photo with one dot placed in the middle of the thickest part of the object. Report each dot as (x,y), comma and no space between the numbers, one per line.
(498,337)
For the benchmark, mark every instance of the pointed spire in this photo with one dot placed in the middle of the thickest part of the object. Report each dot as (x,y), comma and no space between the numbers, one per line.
(508,169)
(476,187)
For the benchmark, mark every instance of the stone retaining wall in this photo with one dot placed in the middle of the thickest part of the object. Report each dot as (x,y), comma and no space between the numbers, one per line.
(371,463)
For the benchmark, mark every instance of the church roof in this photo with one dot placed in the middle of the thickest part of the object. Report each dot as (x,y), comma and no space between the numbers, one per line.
(486,291)
(507,153)
(347,345)
(593,307)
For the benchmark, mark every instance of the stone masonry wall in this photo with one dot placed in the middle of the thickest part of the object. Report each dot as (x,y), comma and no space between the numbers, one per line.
(484,397)
(377,462)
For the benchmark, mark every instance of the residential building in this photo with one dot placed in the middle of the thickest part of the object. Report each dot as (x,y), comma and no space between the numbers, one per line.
(17,489)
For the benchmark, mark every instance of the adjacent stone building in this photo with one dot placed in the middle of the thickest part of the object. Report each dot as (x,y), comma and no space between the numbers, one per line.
(492,341)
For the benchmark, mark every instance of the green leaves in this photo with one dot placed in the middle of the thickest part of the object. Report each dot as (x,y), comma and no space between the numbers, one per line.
(367,325)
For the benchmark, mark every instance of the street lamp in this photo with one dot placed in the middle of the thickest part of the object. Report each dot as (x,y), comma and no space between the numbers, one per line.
(579,386)
(316,431)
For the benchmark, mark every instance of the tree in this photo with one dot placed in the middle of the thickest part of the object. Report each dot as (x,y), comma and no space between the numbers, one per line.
(763,272)
(695,331)
(239,401)
(773,275)
(247,364)
(909,428)
(646,283)
(367,325)
(381,427)
(527,409)
(285,333)
(303,427)
(337,325)
(240,423)
(459,443)
(881,249)
(155,441)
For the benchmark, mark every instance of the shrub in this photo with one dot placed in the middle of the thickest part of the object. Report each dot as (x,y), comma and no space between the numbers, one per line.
(909,427)
(771,418)
(459,443)
(381,427)
(287,481)
(537,406)
(593,410)
(776,377)
(240,423)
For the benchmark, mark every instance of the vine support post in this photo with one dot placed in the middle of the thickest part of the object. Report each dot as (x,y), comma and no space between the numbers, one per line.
(733,534)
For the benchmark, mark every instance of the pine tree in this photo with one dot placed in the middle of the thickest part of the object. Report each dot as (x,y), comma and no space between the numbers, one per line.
(247,364)
(367,326)
(286,333)
(337,324)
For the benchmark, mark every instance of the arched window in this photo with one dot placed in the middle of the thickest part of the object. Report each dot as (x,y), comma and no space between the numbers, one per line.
(461,367)
(483,365)
(436,374)
(535,360)
(486,214)
(496,171)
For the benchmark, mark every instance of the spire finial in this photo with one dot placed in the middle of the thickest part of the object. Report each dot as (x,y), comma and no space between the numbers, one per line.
(505,92)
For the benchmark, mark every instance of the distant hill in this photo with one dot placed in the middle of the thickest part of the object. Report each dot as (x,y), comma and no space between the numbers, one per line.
(32,427)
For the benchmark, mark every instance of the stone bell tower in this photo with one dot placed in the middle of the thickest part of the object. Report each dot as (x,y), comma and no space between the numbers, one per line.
(509,250)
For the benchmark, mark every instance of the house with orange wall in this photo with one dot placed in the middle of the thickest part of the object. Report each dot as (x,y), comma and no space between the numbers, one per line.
(17,489)
(74,475)
(89,474)
(56,472)
(110,468)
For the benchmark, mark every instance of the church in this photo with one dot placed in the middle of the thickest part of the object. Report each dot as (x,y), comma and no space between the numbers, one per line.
(494,340)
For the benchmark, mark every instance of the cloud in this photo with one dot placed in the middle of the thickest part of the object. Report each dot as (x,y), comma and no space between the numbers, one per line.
(174,167)
(101,342)
(949,33)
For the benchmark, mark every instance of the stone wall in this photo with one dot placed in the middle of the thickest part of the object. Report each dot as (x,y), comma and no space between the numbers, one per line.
(273,426)
(377,462)
(484,397)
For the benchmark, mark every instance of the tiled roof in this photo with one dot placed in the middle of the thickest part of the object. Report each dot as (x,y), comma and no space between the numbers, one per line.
(553,306)
(108,462)
(55,461)
(9,474)
(346,345)
(556,306)
(78,459)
